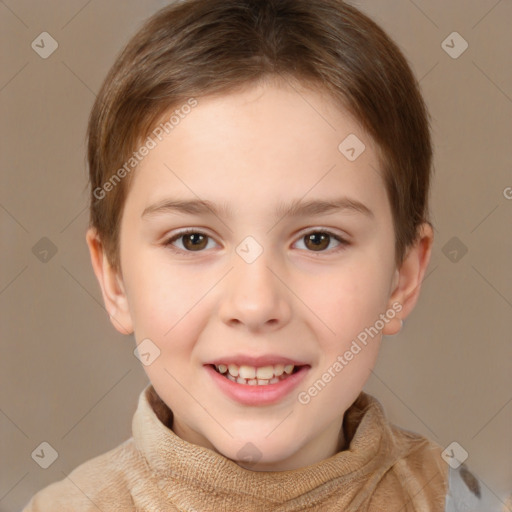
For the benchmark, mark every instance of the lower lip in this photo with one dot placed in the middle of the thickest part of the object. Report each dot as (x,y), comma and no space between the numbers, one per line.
(258,395)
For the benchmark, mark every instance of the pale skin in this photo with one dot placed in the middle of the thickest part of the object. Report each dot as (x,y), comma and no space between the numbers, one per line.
(254,150)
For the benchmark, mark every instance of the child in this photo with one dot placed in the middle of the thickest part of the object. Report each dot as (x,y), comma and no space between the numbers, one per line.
(260,173)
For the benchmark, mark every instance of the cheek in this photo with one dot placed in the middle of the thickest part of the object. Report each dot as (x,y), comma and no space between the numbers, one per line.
(169,308)
(154,307)
(347,300)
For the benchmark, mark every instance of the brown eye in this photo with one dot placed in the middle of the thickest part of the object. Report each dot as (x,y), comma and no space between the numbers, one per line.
(189,241)
(194,241)
(317,241)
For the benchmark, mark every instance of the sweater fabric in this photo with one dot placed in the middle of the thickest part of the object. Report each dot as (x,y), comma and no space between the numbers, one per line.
(383,468)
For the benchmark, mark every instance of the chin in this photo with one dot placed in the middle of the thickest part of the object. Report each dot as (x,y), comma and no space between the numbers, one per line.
(259,454)
(270,464)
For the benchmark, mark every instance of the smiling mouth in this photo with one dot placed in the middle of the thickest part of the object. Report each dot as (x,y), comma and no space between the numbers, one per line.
(256,376)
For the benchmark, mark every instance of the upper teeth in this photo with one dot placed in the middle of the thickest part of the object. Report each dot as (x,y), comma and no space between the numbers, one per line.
(251,372)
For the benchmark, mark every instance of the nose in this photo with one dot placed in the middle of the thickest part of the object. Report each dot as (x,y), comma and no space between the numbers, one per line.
(255,297)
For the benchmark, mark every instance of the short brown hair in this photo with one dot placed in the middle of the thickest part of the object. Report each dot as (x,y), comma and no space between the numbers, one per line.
(198,47)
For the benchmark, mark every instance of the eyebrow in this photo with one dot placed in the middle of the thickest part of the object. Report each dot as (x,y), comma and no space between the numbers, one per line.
(296,208)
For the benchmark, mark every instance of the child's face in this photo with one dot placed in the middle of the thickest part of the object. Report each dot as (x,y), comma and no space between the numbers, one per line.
(217,299)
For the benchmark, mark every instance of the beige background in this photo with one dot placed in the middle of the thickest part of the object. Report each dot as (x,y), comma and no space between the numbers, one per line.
(68,378)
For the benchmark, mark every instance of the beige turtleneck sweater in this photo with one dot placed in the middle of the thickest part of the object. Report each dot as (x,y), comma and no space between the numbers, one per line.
(384,468)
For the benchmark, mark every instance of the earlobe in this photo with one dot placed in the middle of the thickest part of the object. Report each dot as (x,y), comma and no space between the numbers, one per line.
(408,280)
(111,285)
(393,327)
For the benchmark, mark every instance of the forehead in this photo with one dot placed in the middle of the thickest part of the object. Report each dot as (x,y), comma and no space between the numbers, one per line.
(258,145)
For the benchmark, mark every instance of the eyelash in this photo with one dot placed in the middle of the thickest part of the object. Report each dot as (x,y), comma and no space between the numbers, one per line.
(342,242)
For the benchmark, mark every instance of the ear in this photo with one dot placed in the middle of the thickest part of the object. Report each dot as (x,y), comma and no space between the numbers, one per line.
(111,285)
(408,279)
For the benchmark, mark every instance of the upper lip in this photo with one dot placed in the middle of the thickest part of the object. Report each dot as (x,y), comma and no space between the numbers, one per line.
(258,361)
